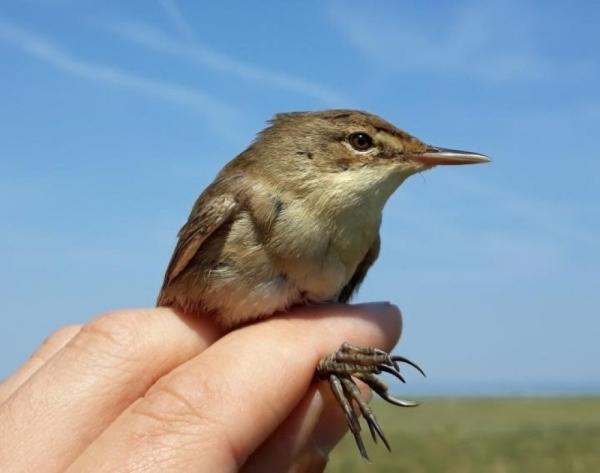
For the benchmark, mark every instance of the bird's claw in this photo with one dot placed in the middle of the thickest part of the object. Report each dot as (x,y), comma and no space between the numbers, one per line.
(362,363)
(397,358)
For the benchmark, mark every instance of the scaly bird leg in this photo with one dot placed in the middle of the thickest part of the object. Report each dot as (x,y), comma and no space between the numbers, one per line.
(362,363)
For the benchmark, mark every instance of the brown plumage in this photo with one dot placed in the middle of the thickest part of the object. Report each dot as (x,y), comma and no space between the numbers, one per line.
(294,219)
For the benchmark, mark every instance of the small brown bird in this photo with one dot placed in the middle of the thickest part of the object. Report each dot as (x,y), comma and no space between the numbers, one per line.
(294,219)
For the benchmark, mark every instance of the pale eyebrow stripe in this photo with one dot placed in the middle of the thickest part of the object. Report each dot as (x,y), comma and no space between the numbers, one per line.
(389,139)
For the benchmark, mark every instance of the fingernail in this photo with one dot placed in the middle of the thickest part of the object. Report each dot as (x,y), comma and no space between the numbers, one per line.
(374,304)
(381,306)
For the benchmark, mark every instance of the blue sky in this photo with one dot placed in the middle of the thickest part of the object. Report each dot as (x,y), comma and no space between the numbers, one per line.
(115,115)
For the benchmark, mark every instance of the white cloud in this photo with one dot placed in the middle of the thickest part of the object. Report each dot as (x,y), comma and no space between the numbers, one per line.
(503,237)
(176,17)
(487,40)
(45,50)
(192,51)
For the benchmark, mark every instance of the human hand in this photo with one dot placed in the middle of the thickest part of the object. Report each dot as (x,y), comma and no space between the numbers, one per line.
(153,390)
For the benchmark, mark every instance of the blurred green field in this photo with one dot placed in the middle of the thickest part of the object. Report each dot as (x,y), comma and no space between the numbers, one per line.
(549,435)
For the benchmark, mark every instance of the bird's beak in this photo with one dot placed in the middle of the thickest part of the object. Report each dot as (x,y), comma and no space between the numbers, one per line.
(434,156)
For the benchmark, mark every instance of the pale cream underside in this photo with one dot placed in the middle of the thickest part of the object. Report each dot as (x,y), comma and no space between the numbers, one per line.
(319,242)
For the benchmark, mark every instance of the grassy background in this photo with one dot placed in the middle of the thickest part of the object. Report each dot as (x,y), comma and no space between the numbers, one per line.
(482,435)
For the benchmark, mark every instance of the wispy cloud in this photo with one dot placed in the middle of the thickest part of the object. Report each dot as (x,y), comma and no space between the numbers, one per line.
(487,40)
(191,50)
(47,51)
(176,17)
(519,238)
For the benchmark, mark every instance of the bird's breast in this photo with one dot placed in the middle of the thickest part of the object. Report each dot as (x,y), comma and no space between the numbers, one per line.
(319,251)
(307,256)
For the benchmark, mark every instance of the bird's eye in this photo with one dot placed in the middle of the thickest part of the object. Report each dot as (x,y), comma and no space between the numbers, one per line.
(360,141)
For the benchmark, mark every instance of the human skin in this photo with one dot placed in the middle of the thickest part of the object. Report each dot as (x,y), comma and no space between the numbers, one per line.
(154,390)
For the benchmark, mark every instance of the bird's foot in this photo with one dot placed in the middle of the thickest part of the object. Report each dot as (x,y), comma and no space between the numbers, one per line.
(362,363)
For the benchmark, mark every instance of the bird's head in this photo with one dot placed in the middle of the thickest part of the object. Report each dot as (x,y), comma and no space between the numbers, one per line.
(351,152)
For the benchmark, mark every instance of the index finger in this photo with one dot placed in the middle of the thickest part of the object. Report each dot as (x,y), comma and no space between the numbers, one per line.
(213,411)
(87,384)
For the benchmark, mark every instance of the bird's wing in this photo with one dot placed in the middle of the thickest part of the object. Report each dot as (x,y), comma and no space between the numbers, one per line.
(209,213)
(361,271)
